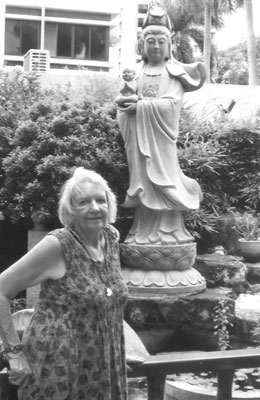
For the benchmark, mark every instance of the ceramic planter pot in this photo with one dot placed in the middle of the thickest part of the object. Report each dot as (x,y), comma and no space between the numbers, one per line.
(250,250)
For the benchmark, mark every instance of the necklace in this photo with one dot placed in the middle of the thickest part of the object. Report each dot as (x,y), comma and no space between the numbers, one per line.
(95,263)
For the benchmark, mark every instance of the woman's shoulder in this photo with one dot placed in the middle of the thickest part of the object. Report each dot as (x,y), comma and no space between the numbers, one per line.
(56,230)
(112,232)
(62,234)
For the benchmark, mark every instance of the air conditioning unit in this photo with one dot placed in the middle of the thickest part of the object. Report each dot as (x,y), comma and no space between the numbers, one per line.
(37,60)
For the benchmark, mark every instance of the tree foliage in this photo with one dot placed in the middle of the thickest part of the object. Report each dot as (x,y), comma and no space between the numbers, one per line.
(223,158)
(231,66)
(192,22)
(186,22)
(48,137)
(45,151)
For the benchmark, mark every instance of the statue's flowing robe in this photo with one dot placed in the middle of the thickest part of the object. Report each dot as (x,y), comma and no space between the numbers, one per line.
(156,180)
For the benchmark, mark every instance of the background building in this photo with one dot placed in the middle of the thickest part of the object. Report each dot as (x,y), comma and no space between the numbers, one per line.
(52,35)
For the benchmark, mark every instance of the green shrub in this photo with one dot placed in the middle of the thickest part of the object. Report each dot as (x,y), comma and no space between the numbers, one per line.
(47,149)
(45,133)
(224,159)
(241,181)
(18,91)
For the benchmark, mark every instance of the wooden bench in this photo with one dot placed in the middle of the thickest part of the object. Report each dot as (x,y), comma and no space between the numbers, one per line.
(156,368)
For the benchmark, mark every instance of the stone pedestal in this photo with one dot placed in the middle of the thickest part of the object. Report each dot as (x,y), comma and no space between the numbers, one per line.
(152,270)
(158,255)
(32,293)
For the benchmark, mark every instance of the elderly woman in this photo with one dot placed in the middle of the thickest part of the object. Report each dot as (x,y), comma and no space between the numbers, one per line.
(74,346)
(150,127)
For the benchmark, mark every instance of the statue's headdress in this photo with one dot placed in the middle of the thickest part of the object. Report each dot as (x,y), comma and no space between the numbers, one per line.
(156,15)
(156,18)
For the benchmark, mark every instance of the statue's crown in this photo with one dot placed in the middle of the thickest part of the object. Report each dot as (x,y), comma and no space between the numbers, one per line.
(156,15)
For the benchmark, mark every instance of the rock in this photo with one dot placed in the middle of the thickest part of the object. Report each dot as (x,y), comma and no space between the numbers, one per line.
(247,313)
(170,323)
(253,272)
(221,270)
(133,344)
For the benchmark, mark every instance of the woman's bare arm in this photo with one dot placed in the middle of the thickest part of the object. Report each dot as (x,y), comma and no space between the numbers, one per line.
(42,262)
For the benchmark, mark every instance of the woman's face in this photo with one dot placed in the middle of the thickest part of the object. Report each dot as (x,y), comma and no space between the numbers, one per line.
(91,208)
(156,47)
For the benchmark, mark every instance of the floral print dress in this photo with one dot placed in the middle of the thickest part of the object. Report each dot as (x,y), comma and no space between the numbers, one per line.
(75,342)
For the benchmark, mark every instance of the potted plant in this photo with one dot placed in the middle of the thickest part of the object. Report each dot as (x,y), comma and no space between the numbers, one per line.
(247,225)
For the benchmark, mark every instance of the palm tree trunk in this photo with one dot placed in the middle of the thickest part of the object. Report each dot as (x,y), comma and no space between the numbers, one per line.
(251,43)
(207,38)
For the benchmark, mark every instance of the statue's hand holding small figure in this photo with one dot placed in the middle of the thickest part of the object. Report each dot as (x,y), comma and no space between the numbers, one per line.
(130,108)
(127,104)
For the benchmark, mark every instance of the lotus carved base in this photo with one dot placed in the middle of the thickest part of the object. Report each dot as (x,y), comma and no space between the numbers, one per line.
(151,270)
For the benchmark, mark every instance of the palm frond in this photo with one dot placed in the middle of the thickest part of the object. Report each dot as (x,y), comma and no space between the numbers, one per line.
(181,48)
(239,3)
(221,8)
(197,34)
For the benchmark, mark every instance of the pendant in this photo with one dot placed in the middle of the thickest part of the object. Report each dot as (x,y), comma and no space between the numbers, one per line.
(109,292)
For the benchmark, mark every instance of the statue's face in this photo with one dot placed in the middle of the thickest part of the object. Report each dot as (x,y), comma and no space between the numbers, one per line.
(156,47)
(128,74)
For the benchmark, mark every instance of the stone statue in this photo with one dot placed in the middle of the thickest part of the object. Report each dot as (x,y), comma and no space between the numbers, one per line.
(158,189)
(128,90)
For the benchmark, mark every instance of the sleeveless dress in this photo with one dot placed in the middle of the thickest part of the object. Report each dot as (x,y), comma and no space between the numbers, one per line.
(75,342)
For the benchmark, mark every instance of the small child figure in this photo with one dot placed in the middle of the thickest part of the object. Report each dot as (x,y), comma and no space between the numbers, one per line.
(128,89)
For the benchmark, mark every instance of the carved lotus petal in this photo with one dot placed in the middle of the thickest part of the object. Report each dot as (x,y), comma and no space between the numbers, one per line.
(194,276)
(174,257)
(184,263)
(155,256)
(173,278)
(146,264)
(167,251)
(165,264)
(156,278)
(135,277)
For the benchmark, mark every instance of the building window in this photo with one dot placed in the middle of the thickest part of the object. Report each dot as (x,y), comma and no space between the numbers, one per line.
(140,22)
(64,40)
(82,42)
(21,36)
(142,8)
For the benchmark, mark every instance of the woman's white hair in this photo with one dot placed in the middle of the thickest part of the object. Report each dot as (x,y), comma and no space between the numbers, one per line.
(73,187)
